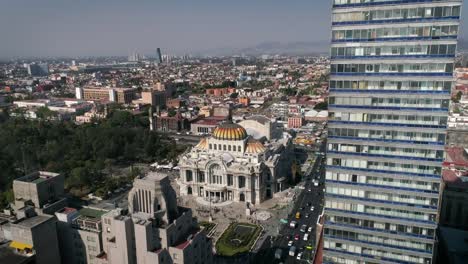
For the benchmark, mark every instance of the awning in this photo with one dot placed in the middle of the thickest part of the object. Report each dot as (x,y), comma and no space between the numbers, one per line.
(20,246)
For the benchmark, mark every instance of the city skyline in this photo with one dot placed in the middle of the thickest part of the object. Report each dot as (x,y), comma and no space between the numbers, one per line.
(56,28)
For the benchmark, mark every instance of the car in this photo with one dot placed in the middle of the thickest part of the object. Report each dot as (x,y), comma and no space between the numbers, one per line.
(278,253)
(306,237)
(303,228)
(310,190)
(309,204)
(299,256)
(316,184)
(309,229)
(298,215)
(296,237)
(290,243)
(307,215)
(293,224)
(292,251)
(302,208)
(312,208)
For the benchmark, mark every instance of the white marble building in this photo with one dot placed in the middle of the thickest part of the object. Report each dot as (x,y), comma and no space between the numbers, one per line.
(230,165)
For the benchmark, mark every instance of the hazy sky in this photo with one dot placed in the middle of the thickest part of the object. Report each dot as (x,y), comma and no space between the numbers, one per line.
(118,27)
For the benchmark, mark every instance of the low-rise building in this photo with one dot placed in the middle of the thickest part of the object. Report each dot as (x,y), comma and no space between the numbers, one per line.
(295,121)
(42,190)
(80,235)
(118,95)
(154,98)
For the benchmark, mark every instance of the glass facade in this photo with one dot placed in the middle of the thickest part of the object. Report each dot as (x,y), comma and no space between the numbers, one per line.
(391,76)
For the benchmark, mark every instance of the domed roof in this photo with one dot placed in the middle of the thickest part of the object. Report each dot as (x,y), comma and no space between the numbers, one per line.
(230,131)
(254,146)
(203,144)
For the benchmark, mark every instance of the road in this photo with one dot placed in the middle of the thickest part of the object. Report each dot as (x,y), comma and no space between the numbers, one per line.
(310,196)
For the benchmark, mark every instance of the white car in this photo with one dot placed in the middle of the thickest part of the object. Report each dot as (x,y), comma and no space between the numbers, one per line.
(290,243)
(309,229)
(316,183)
(306,237)
(299,256)
(312,208)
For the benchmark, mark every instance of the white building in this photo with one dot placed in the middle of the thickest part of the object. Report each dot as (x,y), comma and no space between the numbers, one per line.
(231,165)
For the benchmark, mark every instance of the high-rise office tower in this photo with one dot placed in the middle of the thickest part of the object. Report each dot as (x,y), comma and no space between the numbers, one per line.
(391,76)
(38,69)
(158,56)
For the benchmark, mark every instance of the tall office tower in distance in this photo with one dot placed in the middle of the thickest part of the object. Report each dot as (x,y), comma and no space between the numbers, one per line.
(391,76)
(158,56)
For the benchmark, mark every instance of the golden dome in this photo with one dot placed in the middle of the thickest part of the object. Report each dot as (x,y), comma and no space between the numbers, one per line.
(254,146)
(230,131)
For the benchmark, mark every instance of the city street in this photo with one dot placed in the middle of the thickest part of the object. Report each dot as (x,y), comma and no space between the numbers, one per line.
(310,196)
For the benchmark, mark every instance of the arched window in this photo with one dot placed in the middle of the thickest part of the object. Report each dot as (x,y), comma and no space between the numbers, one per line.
(241,181)
(216,174)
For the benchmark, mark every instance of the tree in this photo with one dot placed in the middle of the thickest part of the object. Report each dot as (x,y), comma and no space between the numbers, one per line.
(457,97)
(321,106)
(45,113)
(171,112)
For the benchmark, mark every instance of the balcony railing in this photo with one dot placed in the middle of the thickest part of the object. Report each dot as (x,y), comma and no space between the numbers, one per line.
(394,21)
(392,188)
(379,91)
(397,74)
(380,244)
(386,124)
(384,156)
(454,37)
(329,223)
(390,140)
(384,217)
(392,108)
(394,2)
(411,205)
(434,176)
(393,56)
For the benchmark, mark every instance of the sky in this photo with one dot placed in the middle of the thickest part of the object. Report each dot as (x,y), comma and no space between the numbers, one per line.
(45,28)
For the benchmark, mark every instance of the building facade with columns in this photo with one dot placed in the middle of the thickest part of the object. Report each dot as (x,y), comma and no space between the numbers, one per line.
(230,165)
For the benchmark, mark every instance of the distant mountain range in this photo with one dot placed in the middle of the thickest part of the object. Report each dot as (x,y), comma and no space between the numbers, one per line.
(292,48)
(462,45)
(283,48)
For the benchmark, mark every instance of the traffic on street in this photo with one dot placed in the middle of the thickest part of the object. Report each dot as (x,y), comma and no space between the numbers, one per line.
(295,242)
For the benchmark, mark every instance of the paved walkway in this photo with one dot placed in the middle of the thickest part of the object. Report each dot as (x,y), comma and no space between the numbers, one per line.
(223,214)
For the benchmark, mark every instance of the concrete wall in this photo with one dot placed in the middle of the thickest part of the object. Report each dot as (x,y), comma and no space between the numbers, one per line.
(45,242)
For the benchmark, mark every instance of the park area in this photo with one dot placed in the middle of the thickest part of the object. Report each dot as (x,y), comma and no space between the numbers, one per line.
(238,238)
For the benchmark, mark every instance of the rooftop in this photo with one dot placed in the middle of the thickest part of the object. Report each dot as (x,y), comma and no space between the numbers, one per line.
(67,210)
(91,213)
(9,256)
(34,221)
(454,179)
(211,121)
(456,156)
(38,177)
(187,242)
